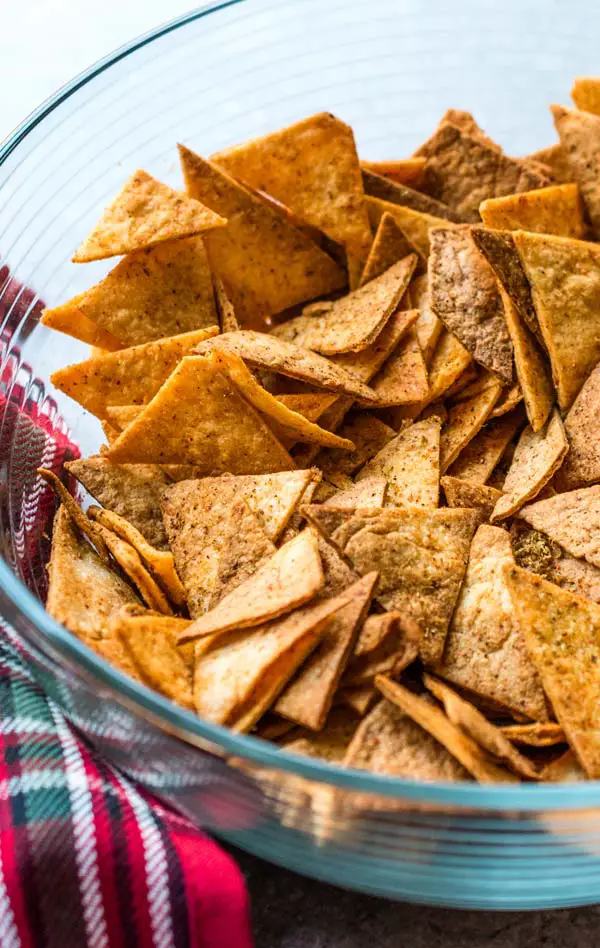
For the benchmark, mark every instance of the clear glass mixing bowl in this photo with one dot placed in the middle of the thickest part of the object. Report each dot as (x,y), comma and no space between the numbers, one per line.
(212,78)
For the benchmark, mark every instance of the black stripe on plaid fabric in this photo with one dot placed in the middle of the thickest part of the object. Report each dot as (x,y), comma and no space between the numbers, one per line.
(177,893)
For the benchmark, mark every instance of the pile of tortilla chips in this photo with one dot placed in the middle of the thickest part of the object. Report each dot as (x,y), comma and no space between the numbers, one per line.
(349,499)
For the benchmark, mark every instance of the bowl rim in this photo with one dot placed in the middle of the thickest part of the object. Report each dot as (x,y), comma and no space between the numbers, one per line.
(188,726)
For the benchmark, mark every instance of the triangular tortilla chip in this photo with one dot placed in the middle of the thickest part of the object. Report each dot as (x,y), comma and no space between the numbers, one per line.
(413,224)
(551,622)
(312,404)
(462,171)
(144,214)
(509,399)
(353,322)
(152,294)
(122,415)
(228,321)
(304,454)
(210,527)
(386,644)
(565,282)
(533,371)
(276,355)
(257,245)
(470,720)
(421,556)
(470,382)
(378,186)
(428,327)
(411,465)
(239,676)
(389,246)
(579,134)
(129,376)
(402,170)
(429,716)
(464,421)
(538,734)
(152,642)
(571,519)
(581,466)
(565,769)
(389,742)
(556,162)
(132,565)
(369,435)
(360,700)
(468,494)
(575,575)
(291,577)
(198,417)
(364,365)
(331,742)
(586,94)
(272,728)
(311,167)
(84,524)
(338,575)
(464,120)
(403,379)
(485,651)
(297,522)
(554,210)
(309,696)
(537,457)
(70,319)
(448,362)
(370,492)
(464,295)
(131,490)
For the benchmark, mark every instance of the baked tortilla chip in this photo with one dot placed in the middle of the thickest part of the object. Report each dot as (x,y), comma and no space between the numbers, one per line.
(415,225)
(449,361)
(498,247)
(129,376)
(509,399)
(464,295)
(428,327)
(467,123)
(565,282)
(429,717)
(152,643)
(144,214)
(377,186)
(586,94)
(369,435)
(403,379)
(130,490)
(386,644)
(308,698)
(538,734)
(401,170)
(369,492)
(465,420)
(338,575)
(421,556)
(70,319)
(198,417)
(411,466)
(551,622)
(84,524)
(473,723)
(360,700)
(468,494)
(228,321)
(554,210)
(565,769)
(579,134)
(132,565)
(577,576)
(571,519)
(122,415)
(556,162)
(485,650)
(311,167)
(364,365)
(256,247)
(331,742)
(291,577)
(538,455)
(389,246)
(581,466)
(312,404)
(462,171)
(470,382)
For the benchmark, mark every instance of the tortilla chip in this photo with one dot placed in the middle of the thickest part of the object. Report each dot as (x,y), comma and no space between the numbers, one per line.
(462,171)
(538,734)
(144,214)
(130,490)
(275,355)
(360,700)
(554,210)
(581,466)
(556,161)
(389,246)
(152,643)
(565,769)
(468,494)
(401,170)
(413,224)
(308,698)
(239,676)
(403,379)
(338,575)
(370,492)
(305,454)
(272,498)
(216,539)
(472,722)
(386,644)
(272,728)
(421,556)
(377,186)
(449,361)
(331,742)
(464,421)
(70,319)
(89,529)
(575,575)
(464,295)
(390,742)
(311,404)
(470,382)
(364,365)
(571,519)
(369,436)
(485,651)
(291,577)
(128,377)
(354,321)
(499,249)
(256,247)
(228,321)
(537,457)
(551,622)
(131,563)
(586,94)
(428,327)
(509,399)
(579,134)
(429,717)
(466,122)
(411,465)
(311,167)
(198,417)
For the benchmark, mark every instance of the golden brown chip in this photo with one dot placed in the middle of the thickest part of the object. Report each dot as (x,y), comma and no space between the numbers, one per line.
(369,435)
(415,225)
(70,319)
(228,321)
(386,644)
(309,696)
(470,494)
(466,122)
(403,379)
(465,420)
(448,362)
(360,700)
(331,742)
(288,579)
(551,622)
(421,556)
(554,210)
(571,519)
(538,734)
(464,295)
(402,170)
(428,716)
(256,247)
(470,382)
(378,186)
(370,492)
(565,769)
(577,576)
(338,575)
(152,642)
(533,372)
(144,214)
(556,161)
(364,365)
(128,377)
(89,529)
(485,651)
(537,457)
(581,466)
(428,327)
(311,404)
(389,246)
(509,399)
(579,134)
(586,94)
(122,415)
(410,464)
(132,565)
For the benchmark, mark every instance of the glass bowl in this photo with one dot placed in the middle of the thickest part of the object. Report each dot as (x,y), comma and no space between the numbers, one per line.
(213,78)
